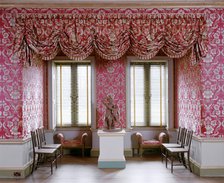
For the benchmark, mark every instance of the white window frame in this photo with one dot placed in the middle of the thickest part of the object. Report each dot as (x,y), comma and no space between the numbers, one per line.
(170,90)
(52,91)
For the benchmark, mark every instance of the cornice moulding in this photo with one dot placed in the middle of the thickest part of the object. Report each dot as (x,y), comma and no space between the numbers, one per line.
(110,4)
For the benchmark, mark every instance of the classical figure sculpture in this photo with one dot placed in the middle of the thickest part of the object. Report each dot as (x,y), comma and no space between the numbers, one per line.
(111,114)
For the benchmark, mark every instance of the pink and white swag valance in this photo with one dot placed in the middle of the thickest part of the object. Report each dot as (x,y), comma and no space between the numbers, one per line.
(110,35)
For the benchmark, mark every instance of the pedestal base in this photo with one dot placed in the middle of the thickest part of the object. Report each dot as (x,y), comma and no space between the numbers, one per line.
(111,149)
(111,164)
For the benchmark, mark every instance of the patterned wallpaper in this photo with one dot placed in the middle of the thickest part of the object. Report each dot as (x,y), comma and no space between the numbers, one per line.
(207,118)
(21,89)
(213,77)
(21,98)
(110,80)
(188,94)
(10,84)
(33,91)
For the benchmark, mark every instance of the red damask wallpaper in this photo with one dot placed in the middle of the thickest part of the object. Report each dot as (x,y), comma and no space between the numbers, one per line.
(110,80)
(22,86)
(188,94)
(200,103)
(11,84)
(213,77)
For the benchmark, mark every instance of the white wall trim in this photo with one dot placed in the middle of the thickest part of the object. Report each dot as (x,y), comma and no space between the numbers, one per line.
(19,168)
(207,156)
(16,158)
(14,155)
(14,141)
(208,139)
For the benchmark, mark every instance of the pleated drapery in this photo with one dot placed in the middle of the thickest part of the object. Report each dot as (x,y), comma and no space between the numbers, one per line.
(110,35)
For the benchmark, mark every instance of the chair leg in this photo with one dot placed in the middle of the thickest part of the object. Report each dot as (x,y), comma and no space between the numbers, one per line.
(51,168)
(140,152)
(83,151)
(166,157)
(189,164)
(171,163)
(62,151)
(183,160)
(133,152)
(56,160)
(33,166)
(162,153)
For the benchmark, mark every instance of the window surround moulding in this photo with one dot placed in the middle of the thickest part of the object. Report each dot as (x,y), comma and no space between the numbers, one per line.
(170,123)
(51,117)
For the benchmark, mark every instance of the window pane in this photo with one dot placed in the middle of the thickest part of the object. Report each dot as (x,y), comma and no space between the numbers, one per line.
(67,95)
(63,94)
(155,86)
(84,94)
(148,94)
(58,103)
(137,96)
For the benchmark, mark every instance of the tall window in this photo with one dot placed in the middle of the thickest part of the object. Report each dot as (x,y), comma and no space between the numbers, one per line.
(73,94)
(148,93)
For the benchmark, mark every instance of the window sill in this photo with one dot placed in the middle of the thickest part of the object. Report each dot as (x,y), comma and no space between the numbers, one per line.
(73,128)
(149,128)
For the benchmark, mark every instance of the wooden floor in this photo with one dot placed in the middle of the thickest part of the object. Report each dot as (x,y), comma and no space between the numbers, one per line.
(148,169)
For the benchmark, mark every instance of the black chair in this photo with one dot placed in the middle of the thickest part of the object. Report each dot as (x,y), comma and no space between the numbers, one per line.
(42,155)
(174,152)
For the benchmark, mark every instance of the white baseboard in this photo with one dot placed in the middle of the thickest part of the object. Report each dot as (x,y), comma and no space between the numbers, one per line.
(16,158)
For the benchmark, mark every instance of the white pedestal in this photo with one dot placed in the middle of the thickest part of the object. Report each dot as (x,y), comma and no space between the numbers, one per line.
(111,149)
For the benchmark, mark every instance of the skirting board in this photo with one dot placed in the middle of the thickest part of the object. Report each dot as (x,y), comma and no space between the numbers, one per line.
(207,171)
(18,173)
(95,152)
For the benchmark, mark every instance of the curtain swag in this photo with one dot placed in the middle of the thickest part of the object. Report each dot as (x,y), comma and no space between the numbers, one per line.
(110,35)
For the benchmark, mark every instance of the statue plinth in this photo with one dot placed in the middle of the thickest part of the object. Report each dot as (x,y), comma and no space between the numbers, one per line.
(113,130)
(111,149)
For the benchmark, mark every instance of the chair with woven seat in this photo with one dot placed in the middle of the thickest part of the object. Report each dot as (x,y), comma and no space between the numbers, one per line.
(76,143)
(176,152)
(151,143)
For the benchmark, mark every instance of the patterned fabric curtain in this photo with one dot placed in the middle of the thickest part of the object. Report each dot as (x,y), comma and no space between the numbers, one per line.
(110,35)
